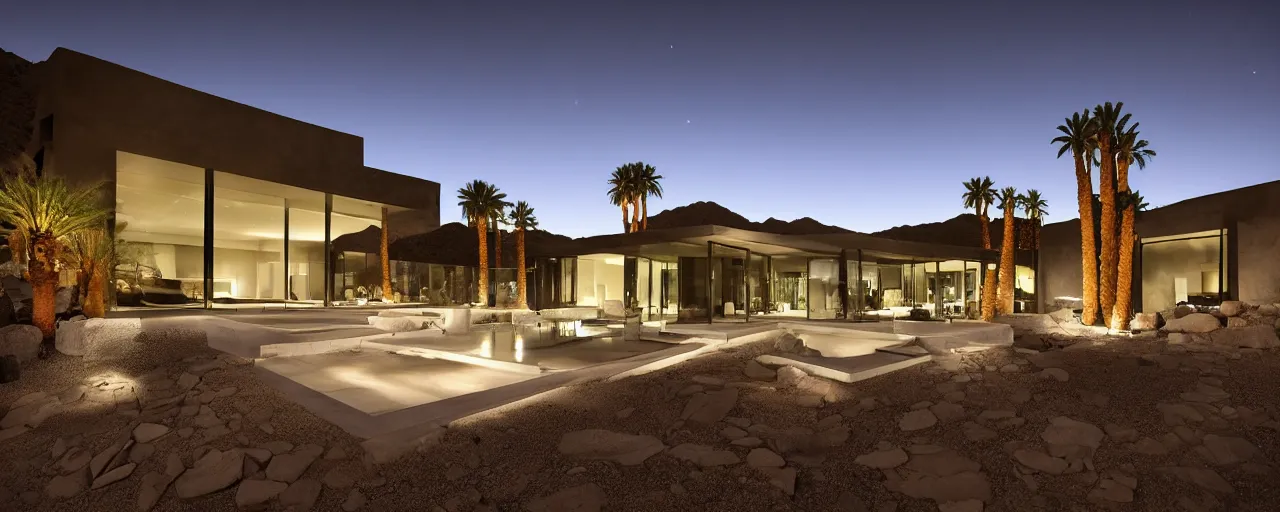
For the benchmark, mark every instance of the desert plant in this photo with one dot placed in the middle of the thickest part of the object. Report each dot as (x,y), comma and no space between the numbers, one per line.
(980,194)
(479,200)
(1107,117)
(622,193)
(648,183)
(45,212)
(1078,139)
(1131,203)
(91,253)
(522,219)
(1008,203)
(384,258)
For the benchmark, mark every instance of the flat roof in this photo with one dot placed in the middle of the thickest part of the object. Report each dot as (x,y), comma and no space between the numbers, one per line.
(691,241)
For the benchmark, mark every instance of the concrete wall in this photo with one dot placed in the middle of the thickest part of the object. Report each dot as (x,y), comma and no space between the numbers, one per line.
(99,107)
(1251,215)
(1258,258)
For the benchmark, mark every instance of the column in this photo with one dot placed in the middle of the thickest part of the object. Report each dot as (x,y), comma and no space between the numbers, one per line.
(208,238)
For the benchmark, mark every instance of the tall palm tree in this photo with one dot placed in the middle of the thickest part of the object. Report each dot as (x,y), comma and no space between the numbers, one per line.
(1108,118)
(498,217)
(1129,149)
(980,194)
(1078,138)
(1008,203)
(1035,208)
(522,219)
(478,200)
(621,192)
(45,213)
(648,183)
(384,258)
(1131,203)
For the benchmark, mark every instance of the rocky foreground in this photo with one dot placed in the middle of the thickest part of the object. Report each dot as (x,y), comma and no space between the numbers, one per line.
(1104,424)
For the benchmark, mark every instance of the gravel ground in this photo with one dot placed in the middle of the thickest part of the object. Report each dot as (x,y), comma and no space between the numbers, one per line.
(504,459)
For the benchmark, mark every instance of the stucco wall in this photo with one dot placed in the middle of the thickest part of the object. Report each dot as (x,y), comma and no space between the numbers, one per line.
(99,107)
(1251,215)
(1060,273)
(1258,258)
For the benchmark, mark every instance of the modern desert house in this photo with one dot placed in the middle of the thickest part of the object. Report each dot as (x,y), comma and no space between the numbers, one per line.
(705,273)
(218,203)
(1200,251)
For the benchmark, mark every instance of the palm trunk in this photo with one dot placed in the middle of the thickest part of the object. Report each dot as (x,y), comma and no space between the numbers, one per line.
(385,256)
(644,213)
(1007,277)
(521,281)
(482,285)
(626,222)
(43,275)
(635,216)
(1088,244)
(1107,196)
(1122,310)
(986,228)
(989,295)
(95,304)
(497,245)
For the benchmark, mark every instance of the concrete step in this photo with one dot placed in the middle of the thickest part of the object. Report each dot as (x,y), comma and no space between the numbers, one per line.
(910,350)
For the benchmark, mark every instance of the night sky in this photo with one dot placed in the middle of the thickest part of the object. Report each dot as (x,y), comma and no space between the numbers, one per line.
(865,116)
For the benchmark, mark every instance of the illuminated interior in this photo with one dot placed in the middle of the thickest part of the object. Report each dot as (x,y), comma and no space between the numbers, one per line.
(268,238)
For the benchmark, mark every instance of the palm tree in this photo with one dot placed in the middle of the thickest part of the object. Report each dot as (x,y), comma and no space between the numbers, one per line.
(1131,203)
(498,217)
(45,213)
(648,183)
(385,257)
(91,254)
(478,200)
(522,219)
(1035,208)
(1008,203)
(1129,149)
(980,194)
(621,192)
(1078,138)
(1107,118)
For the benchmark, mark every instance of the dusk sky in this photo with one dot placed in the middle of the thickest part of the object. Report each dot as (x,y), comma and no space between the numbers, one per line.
(864,116)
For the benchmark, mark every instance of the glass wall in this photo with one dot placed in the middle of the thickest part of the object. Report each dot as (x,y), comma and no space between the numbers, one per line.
(248,240)
(160,222)
(643,285)
(972,288)
(599,279)
(790,285)
(824,290)
(693,291)
(759,285)
(728,282)
(306,247)
(670,299)
(1184,269)
(360,281)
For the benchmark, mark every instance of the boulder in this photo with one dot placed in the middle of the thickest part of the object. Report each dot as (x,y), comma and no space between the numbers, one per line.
(708,408)
(1145,322)
(213,472)
(252,493)
(301,495)
(1232,308)
(290,466)
(789,343)
(401,323)
(598,444)
(1257,336)
(1182,311)
(703,456)
(1269,310)
(62,299)
(99,339)
(1193,323)
(20,341)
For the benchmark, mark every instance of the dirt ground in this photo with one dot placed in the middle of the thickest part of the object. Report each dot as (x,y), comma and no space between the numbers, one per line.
(1130,443)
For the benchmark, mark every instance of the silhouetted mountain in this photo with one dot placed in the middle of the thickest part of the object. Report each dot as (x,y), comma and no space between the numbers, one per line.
(453,244)
(703,213)
(962,230)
